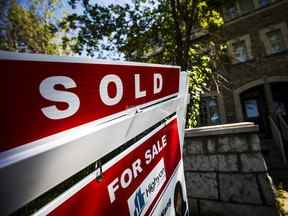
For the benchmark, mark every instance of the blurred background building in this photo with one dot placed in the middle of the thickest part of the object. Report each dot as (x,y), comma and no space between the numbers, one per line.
(257,36)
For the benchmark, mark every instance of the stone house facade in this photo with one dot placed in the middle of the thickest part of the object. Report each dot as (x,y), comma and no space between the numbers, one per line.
(257,36)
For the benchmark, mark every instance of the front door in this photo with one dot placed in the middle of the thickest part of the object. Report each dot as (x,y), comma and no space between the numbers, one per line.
(255,109)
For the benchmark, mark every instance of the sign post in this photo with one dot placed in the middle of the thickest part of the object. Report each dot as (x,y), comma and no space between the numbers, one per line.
(59,118)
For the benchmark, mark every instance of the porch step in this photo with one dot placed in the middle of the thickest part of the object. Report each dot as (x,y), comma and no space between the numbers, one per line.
(272,154)
(273,158)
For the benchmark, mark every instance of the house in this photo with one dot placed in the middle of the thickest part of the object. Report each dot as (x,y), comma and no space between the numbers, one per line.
(257,36)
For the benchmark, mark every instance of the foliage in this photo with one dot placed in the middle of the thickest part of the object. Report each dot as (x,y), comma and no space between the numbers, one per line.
(28,29)
(156,32)
(207,70)
(281,198)
(150,31)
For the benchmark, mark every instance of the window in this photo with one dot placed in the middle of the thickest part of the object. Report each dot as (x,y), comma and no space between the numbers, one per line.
(262,3)
(209,112)
(245,6)
(230,11)
(275,38)
(237,8)
(240,49)
(251,108)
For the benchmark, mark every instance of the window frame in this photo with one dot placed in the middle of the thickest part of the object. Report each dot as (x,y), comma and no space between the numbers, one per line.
(245,12)
(220,108)
(238,10)
(257,5)
(247,41)
(266,41)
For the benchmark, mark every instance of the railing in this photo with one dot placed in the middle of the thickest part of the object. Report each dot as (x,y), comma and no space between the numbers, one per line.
(283,127)
(277,136)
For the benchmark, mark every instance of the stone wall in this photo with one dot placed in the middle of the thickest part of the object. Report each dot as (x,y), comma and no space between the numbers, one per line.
(226,173)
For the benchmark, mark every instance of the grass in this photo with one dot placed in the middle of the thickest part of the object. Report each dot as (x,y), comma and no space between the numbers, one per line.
(282,200)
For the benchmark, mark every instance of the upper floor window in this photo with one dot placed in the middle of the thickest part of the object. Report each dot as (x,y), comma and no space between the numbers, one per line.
(236,8)
(275,38)
(240,49)
(230,11)
(240,7)
(245,6)
(262,3)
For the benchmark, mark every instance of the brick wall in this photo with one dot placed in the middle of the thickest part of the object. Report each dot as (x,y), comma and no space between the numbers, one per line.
(226,173)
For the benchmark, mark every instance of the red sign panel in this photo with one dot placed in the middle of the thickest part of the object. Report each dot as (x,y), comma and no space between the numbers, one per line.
(41,98)
(133,184)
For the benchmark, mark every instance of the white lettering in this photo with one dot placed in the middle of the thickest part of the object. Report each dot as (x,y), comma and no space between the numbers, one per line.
(125,179)
(125,182)
(148,156)
(159,146)
(154,151)
(158,80)
(138,92)
(106,99)
(112,187)
(164,140)
(48,91)
(136,168)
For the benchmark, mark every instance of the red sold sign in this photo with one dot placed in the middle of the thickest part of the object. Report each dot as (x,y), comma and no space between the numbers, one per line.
(131,185)
(41,98)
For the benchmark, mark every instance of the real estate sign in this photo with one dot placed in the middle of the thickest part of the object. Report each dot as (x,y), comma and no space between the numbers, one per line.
(62,114)
(133,183)
(45,96)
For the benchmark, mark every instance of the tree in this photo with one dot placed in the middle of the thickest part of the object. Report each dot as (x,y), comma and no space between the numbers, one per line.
(158,32)
(154,31)
(27,29)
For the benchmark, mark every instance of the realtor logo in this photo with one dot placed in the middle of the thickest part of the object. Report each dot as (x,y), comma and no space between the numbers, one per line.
(144,195)
(139,202)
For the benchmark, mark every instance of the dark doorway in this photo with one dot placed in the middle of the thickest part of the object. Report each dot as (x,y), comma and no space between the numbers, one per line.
(255,109)
(272,121)
(280,110)
(280,99)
